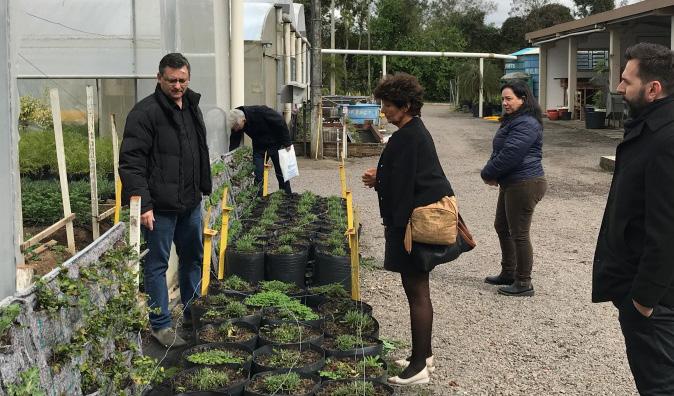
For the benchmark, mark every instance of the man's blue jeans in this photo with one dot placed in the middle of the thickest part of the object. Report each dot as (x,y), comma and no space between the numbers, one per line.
(185,231)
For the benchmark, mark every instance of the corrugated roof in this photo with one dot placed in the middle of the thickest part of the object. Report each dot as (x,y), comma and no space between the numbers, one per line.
(643,7)
(527,51)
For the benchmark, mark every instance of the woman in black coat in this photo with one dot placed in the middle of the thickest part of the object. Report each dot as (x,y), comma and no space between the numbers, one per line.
(515,166)
(408,175)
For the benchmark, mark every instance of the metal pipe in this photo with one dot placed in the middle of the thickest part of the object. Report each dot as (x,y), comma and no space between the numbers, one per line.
(298,60)
(236,53)
(419,53)
(85,76)
(595,30)
(383,66)
(481,87)
(220,48)
(286,72)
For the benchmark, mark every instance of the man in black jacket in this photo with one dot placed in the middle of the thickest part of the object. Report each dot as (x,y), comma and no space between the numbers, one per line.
(634,259)
(268,131)
(164,160)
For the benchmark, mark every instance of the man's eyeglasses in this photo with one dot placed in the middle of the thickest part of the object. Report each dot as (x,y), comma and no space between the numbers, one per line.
(173,81)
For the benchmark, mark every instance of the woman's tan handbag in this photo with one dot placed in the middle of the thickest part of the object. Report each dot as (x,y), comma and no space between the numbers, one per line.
(434,224)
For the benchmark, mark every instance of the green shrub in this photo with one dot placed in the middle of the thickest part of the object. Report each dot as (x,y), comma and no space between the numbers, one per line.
(35,112)
(360,388)
(282,357)
(37,153)
(7,317)
(345,342)
(235,283)
(204,380)
(278,286)
(41,200)
(246,244)
(268,299)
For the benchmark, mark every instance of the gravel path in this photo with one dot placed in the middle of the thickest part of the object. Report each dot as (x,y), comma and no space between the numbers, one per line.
(485,344)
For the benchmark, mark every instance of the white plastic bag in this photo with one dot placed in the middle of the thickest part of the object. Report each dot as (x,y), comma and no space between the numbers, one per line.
(288,163)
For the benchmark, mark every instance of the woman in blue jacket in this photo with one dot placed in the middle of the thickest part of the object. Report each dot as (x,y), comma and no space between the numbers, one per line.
(515,167)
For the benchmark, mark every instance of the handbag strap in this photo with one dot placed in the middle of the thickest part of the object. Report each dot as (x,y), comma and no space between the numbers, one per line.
(465,233)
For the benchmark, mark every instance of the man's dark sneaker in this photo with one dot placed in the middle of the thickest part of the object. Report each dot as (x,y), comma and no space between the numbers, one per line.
(500,279)
(517,289)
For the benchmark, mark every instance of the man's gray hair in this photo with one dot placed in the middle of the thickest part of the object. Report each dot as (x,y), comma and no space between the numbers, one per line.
(234,117)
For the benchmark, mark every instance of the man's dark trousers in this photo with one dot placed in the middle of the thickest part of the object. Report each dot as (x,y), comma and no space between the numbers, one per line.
(650,347)
(258,161)
(185,231)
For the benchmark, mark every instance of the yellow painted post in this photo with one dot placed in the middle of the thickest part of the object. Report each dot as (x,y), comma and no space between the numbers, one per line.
(265,176)
(118,198)
(355,261)
(349,210)
(342,178)
(206,267)
(224,234)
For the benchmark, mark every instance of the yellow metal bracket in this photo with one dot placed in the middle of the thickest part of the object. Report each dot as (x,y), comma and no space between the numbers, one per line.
(352,234)
(342,178)
(118,198)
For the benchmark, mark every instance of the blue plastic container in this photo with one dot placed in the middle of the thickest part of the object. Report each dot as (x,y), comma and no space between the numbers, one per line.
(360,112)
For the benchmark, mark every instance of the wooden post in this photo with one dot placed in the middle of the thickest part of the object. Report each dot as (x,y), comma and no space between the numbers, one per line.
(206,267)
(342,178)
(61,159)
(224,234)
(115,167)
(134,230)
(355,260)
(93,181)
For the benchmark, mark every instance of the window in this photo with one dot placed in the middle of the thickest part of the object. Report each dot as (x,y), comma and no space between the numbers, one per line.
(587,60)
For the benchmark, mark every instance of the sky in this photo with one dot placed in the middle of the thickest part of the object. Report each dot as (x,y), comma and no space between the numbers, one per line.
(501,14)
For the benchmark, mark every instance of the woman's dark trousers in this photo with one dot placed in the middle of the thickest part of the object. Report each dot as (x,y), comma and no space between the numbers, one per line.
(514,210)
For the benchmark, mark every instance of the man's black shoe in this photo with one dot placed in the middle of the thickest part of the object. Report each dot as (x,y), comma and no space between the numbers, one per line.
(499,279)
(517,289)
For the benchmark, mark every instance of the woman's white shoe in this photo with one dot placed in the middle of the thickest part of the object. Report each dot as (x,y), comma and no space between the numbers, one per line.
(422,377)
(429,363)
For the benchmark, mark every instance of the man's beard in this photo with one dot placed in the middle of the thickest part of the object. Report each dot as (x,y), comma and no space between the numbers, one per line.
(637,105)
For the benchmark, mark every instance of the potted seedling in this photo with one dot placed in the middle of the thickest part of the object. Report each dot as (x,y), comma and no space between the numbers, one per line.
(332,262)
(353,322)
(349,345)
(218,354)
(221,381)
(287,288)
(363,367)
(282,382)
(246,259)
(232,285)
(238,331)
(289,333)
(213,303)
(338,308)
(233,310)
(319,294)
(293,311)
(354,388)
(305,358)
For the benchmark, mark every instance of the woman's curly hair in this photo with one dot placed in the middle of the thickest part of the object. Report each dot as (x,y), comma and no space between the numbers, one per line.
(401,89)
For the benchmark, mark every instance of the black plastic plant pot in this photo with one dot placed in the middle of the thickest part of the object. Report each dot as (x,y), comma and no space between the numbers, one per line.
(216,287)
(248,266)
(287,267)
(311,367)
(268,318)
(356,375)
(201,305)
(252,318)
(250,342)
(234,388)
(242,351)
(595,119)
(331,269)
(309,334)
(330,387)
(370,346)
(252,390)
(372,332)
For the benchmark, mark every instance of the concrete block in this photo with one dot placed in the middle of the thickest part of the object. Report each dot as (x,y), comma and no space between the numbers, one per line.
(607,163)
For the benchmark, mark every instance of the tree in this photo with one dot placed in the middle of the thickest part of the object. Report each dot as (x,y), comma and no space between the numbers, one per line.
(548,15)
(512,34)
(523,8)
(586,8)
